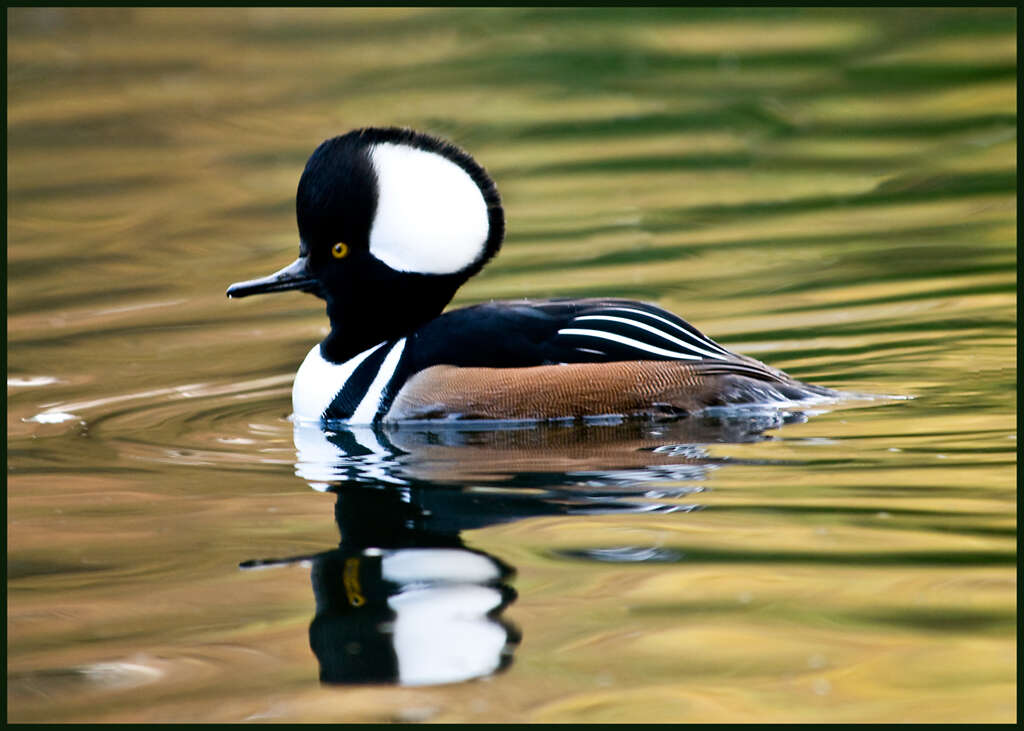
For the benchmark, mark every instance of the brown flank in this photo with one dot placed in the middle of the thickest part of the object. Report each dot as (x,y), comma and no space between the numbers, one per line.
(629,388)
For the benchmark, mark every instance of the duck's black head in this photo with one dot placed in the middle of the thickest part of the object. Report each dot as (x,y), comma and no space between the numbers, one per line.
(391,223)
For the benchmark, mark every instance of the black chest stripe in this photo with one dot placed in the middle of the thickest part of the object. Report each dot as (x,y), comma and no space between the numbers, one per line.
(348,398)
(402,372)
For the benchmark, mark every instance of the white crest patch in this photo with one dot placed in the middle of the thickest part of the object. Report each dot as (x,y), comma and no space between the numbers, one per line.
(431,217)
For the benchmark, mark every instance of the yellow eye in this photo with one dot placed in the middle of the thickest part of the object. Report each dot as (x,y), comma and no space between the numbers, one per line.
(339,250)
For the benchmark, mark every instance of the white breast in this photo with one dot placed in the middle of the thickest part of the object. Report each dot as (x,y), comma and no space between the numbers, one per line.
(318,381)
(370,402)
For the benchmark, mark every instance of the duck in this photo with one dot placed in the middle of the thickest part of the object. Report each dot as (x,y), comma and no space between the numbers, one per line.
(391,222)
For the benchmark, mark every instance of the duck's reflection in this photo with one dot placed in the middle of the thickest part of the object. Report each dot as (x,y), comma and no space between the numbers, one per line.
(616,453)
(402,599)
(399,601)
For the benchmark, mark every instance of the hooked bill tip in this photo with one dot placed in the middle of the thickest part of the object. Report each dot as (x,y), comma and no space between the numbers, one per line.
(238,290)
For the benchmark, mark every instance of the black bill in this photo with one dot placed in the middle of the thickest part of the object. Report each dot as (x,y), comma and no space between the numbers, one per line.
(293,276)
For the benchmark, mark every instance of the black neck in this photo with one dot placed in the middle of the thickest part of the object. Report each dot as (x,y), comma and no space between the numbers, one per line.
(375,312)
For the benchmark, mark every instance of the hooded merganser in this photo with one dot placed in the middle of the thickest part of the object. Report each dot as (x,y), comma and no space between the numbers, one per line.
(391,223)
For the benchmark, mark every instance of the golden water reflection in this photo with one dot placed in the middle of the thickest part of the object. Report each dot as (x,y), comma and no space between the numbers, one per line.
(830,190)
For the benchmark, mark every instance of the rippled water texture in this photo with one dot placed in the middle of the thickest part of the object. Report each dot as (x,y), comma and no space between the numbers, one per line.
(833,192)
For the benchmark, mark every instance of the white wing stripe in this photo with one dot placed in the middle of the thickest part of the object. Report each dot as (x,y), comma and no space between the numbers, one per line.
(367,408)
(656,331)
(628,341)
(709,343)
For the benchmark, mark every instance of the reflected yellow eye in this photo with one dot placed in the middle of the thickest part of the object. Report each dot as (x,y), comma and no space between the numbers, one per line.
(339,250)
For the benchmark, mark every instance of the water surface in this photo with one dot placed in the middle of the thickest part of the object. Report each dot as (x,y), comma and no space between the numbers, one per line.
(833,192)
